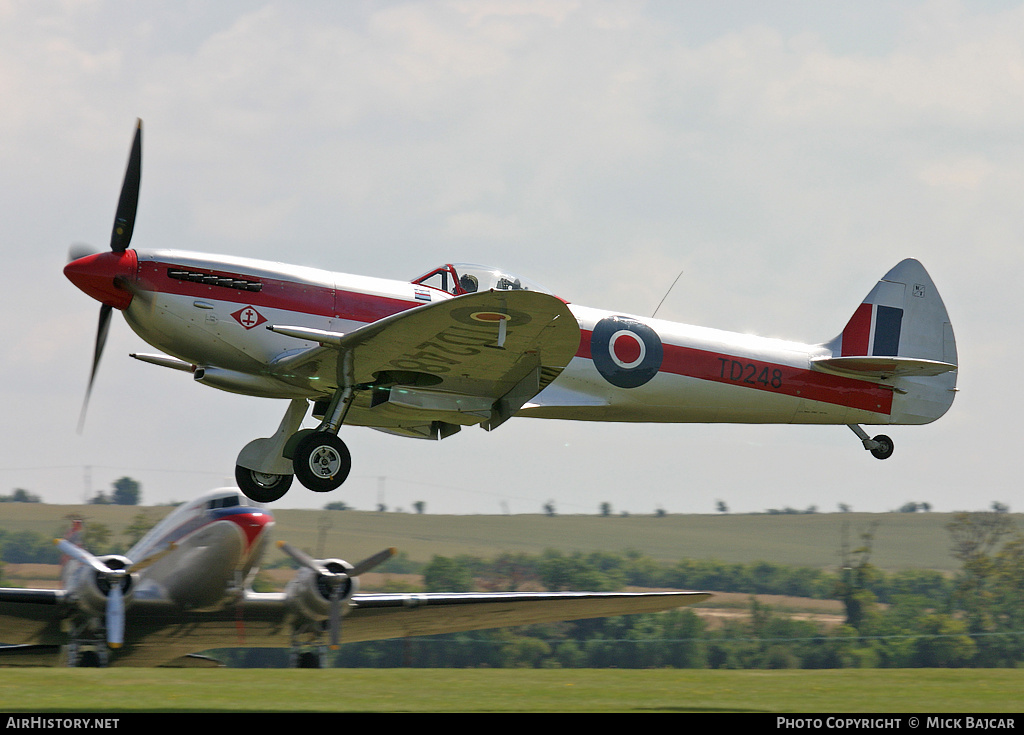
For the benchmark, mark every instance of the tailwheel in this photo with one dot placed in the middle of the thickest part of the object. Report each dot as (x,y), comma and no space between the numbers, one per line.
(262,487)
(883,447)
(321,461)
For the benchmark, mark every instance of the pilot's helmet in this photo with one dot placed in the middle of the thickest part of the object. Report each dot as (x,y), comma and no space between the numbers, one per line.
(469,283)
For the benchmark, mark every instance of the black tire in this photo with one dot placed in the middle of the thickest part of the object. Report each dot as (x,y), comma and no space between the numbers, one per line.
(885,447)
(321,461)
(261,487)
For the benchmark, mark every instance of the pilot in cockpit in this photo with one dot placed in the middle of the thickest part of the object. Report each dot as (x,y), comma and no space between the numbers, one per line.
(469,283)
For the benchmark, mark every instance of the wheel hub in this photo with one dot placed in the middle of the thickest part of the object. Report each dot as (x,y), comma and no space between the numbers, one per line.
(325,462)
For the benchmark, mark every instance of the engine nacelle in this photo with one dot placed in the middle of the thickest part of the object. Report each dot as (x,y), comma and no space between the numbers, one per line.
(309,592)
(90,588)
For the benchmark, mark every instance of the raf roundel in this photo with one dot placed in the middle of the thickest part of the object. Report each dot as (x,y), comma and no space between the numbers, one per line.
(626,352)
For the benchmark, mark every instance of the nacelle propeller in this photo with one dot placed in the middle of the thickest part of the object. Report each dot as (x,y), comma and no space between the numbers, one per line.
(103,586)
(322,585)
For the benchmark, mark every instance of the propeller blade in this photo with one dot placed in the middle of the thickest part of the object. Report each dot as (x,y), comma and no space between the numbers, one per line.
(81,555)
(370,562)
(127,205)
(335,620)
(304,559)
(115,614)
(101,340)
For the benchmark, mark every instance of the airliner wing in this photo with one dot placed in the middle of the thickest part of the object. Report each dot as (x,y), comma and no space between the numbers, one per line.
(474,359)
(379,616)
(29,616)
(158,632)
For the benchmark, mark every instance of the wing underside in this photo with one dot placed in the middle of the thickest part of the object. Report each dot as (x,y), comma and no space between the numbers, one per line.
(474,359)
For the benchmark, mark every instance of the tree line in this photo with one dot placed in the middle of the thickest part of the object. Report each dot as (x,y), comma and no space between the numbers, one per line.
(904,619)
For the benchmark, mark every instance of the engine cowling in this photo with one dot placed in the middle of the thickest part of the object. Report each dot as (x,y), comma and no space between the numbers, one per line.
(90,588)
(309,592)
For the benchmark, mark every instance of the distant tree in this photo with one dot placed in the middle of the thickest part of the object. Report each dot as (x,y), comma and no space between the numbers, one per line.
(549,508)
(20,496)
(444,574)
(660,513)
(844,508)
(721,507)
(856,576)
(606,509)
(338,505)
(126,492)
(976,537)
(420,507)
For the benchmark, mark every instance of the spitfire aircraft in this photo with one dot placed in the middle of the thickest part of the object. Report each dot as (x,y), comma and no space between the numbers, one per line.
(184,588)
(465,345)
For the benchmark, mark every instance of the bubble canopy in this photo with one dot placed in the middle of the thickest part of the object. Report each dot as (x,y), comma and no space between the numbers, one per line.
(462,278)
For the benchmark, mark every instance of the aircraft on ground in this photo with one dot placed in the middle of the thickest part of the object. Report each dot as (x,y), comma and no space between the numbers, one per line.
(466,345)
(184,588)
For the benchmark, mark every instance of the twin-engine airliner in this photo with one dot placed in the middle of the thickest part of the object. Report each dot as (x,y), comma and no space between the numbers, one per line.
(466,345)
(185,588)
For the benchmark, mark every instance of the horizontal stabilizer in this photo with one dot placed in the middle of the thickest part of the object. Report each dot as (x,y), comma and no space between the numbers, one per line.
(881,367)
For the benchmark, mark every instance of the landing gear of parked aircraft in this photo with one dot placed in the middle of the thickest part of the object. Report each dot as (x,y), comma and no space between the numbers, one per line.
(260,486)
(321,461)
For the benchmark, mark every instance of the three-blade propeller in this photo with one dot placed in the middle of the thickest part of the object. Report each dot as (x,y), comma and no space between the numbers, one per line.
(120,239)
(335,579)
(116,579)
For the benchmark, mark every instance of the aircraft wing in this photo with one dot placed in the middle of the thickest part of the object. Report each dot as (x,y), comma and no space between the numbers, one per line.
(158,632)
(379,616)
(29,616)
(474,359)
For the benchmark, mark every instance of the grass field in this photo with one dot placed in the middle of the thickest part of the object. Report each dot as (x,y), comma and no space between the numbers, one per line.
(902,540)
(112,691)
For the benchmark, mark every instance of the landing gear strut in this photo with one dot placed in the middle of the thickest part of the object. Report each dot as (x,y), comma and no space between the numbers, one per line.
(881,447)
(317,457)
(320,459)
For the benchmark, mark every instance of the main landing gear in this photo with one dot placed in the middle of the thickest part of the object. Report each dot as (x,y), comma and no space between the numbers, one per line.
(321,461)
(317,457)
(881,447)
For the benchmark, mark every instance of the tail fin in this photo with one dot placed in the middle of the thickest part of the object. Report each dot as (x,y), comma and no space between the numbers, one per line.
(76,535)
(901,334)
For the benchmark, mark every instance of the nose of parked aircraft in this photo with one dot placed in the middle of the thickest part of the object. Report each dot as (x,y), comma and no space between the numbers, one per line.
(105,276)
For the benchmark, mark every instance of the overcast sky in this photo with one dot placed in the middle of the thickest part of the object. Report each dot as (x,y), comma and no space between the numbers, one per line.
(781,156)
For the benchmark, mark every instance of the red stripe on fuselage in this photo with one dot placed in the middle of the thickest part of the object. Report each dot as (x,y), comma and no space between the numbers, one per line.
(786,380)
(307,298)
(320,300)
